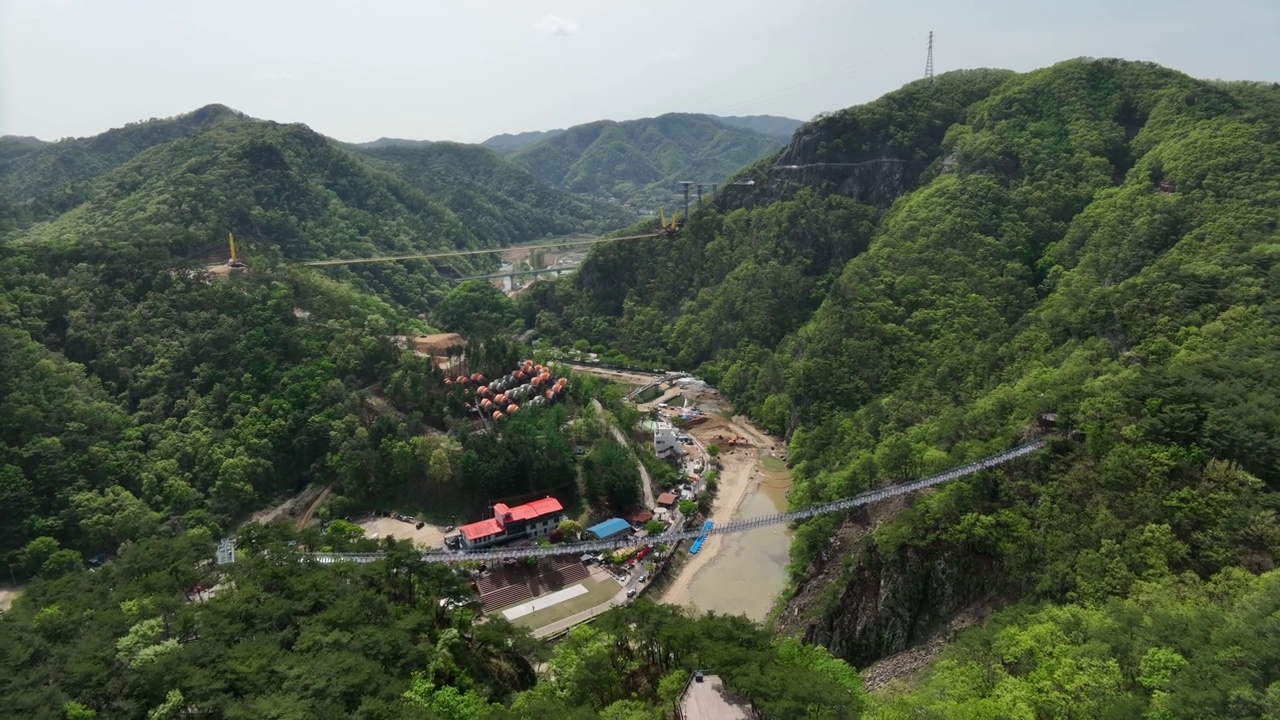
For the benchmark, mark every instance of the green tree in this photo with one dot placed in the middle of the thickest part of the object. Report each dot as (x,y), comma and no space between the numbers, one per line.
(612,475)
(475,309)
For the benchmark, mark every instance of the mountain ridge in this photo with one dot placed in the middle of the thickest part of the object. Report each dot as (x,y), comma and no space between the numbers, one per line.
(922,279)
(639,162)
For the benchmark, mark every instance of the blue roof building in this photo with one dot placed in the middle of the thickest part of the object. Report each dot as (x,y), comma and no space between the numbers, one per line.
(609,528)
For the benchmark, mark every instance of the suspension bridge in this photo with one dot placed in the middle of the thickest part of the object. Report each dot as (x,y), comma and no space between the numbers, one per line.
(460,253)
(226,552)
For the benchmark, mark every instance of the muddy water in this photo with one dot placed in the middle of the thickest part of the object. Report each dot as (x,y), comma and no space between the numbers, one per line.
(750,570)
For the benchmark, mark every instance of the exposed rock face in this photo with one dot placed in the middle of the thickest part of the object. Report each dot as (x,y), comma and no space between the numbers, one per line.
(881,605)
(875,179)
(891,602)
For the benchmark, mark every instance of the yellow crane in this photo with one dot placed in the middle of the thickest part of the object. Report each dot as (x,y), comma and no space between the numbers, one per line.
(233,262)
(675,221)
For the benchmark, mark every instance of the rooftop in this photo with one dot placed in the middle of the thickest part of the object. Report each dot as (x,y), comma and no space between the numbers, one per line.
(484,528)
(609,528)
(529,511)
(667,498)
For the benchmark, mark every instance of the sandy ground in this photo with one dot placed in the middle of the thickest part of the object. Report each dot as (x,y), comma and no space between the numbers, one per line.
(8,594)
(741,476)
(632,378)
(670,394)
(430,536)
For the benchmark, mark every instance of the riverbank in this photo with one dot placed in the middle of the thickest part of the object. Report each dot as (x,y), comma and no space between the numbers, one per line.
(743,573)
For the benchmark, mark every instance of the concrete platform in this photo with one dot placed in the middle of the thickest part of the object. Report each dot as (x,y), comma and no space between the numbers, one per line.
(708,700)
(553,598)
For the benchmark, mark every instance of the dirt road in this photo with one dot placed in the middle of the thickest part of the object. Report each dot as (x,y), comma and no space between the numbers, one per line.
(670,394)
(623,376)
(9,593)
(292,506)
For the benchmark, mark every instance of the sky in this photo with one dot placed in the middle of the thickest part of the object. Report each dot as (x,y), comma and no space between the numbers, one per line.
(465,70)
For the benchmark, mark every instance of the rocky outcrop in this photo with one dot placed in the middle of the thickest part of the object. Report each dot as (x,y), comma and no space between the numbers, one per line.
(876,179)
(892,602)
(865,606)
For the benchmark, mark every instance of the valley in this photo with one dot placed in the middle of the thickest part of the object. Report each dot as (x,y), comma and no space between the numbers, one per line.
(1026,321)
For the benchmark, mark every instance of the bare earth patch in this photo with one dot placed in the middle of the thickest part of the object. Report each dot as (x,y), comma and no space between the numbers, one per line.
(430,536)
(9,593)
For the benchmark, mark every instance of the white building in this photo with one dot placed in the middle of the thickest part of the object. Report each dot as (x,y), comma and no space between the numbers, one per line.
(666,439)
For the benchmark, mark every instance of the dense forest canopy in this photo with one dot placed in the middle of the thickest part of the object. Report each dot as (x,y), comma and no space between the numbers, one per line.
(500,201)
(1094,240)
(639,162)
(909,284)
(159,633)
(142,394)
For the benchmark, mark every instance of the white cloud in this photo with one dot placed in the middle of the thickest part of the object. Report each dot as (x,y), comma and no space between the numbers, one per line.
(274,76)
(552,25)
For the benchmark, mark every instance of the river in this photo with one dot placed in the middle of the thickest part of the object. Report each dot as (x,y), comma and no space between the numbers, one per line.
(749,570)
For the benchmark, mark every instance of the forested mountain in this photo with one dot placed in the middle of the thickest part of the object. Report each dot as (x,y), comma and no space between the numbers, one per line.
(497,199)
(508,143)
(775,125)
(137,392)
(391,142)
(915,281)
(60,170)
(640,161)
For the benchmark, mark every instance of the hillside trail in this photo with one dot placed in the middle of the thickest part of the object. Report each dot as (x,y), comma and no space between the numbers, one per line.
(649,497)
(263,517)
(315,505)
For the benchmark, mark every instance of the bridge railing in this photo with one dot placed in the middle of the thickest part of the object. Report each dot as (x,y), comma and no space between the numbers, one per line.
(595,546)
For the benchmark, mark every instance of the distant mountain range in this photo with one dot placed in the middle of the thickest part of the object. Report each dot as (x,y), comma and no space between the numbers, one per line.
(507,143)
(764,124)
(640,162)
(216,170)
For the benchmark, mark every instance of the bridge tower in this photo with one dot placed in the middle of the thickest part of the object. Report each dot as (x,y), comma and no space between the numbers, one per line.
(685,185)
(928,63)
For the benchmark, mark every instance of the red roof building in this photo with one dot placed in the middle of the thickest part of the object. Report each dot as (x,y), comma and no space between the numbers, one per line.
(667,499)
(531,520)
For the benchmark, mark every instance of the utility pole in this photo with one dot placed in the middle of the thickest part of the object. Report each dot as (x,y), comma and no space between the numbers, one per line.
(685,184)
(928,63)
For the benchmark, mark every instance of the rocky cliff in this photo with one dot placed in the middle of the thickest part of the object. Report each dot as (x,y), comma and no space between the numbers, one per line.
(872,153)
(865,604)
